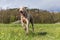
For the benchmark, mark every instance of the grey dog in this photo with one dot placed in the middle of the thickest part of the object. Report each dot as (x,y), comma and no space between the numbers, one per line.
(26,19)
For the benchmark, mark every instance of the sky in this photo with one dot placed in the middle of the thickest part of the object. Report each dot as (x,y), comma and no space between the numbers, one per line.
(52,5)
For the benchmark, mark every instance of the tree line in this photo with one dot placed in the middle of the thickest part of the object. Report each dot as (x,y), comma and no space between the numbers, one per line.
(39,15)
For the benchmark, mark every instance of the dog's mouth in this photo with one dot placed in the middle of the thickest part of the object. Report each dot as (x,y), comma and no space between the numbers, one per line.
(21,11)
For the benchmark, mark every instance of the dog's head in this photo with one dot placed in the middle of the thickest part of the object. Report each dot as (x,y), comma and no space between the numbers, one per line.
(22,10)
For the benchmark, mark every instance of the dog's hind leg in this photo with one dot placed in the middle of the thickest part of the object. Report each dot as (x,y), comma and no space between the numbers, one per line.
(33,27)
(32,24)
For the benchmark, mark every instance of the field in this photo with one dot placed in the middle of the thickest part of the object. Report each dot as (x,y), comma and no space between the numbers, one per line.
(16,32)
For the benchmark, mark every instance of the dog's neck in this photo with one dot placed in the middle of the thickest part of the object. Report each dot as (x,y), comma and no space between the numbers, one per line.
(24,14)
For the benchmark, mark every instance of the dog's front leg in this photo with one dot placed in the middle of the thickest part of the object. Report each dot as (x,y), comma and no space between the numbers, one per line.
(23,25)
(27,27)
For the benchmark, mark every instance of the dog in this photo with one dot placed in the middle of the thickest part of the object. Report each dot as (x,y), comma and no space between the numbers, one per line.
(26,19)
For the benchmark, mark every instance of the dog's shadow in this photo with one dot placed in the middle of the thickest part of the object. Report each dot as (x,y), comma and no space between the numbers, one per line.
(43,33)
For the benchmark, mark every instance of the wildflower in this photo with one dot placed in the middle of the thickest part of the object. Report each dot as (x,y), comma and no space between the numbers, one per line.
(2,33)
(19,34)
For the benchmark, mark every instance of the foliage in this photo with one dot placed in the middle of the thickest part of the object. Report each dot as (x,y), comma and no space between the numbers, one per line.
(39,16)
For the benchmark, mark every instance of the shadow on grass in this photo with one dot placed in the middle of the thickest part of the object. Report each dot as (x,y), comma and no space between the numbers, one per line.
(42,33)
(33,34)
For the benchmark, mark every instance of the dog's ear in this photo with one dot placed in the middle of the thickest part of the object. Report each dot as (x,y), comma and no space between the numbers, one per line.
(18,9)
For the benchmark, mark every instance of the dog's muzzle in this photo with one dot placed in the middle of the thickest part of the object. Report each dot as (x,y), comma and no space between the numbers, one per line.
(21,11)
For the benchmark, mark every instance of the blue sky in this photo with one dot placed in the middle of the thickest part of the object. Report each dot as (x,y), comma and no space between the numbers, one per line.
(51,5)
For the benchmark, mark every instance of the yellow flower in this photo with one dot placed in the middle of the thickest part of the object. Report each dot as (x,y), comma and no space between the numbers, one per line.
(19,34)
(2,33)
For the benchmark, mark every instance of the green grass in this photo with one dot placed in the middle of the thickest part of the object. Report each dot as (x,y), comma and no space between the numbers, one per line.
(16,32)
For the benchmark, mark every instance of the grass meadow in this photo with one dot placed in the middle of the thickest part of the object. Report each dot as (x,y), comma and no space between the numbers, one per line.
(16,32)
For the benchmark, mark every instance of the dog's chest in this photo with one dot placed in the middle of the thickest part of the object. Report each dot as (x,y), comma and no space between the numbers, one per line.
(24,20)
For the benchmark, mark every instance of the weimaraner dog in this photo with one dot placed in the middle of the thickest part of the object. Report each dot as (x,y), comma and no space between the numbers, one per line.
(26,19)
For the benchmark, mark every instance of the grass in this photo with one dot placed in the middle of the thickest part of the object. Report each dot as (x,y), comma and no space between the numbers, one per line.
(16,32)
